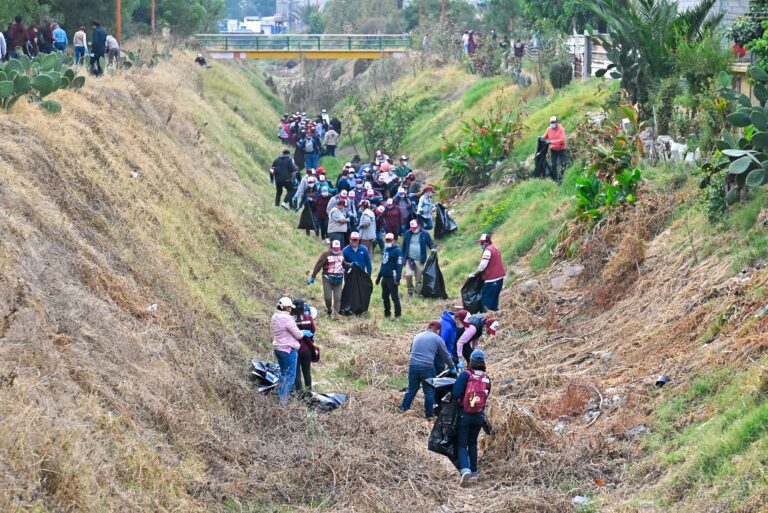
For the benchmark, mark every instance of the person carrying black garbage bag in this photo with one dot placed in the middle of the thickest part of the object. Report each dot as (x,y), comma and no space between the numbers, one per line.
(472,388)
(421,365)
(282,174)
(492,272)
(285,342)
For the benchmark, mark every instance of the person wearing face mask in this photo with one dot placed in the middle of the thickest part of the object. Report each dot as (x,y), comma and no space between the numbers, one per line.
(343,182)
(474,327)
(342,195)
(381,229)
(491,271)
(424,212)
(402,169)
(332,264)
(413,187)
(390,273)
(558,145)
(321,211)
(300,195)
(393,220)
(337,222)
(367,226)
(357,254)
(405,206)
(415,244)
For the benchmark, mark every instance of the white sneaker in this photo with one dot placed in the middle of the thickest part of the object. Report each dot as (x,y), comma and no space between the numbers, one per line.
(286,206)
(465,477)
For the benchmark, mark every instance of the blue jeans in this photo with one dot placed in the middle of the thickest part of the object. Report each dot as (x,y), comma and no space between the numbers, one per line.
(62,47)
(490,295)
(415,375)
(380,241)
(79,54)
(310,159)
(425,222)
(287,363)
(468,427)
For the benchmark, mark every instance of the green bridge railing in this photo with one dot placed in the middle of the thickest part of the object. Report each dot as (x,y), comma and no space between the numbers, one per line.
(304,42)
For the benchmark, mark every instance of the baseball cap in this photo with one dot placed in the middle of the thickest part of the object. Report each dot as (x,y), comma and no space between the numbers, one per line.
(343,194)
(401,190)
(370,193)
(414,223)
(322,178)
(492,326)
(380,209)
(354,236)
(365,204)
(285,302)
(484,238)
(429,188)
(311,179)
(477,356)
(320,170)
(434,325)
(403,157)
(410,176)
(461,315)
(389,236)
(336,244)
(341,203)
(553,119)
(390,202)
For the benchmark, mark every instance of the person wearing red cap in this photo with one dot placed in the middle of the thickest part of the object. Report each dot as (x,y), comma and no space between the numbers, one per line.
(367,226)
(393,220)
(450,323)
(558,145)
(413,186)
(491,271)
(357,254)
(337,222)
(390,272)
(474,327)
(332,264)
(426,346)
(415,244)
(343,181)
(426,207)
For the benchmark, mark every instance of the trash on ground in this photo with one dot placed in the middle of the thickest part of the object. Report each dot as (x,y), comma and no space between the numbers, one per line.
(154,307)
(762,312)
(580,500)
(325,402)
(637,430)
(265,375)
(662,380)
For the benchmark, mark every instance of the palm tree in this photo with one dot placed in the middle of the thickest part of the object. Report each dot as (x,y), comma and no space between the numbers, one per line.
(643,36)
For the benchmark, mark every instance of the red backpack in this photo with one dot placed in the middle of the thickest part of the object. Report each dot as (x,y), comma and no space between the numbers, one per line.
(476,393)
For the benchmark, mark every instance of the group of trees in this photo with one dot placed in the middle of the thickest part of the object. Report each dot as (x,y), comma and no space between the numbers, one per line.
(183,17)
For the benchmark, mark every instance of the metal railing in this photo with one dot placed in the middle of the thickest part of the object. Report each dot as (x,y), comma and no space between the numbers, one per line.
(305,42)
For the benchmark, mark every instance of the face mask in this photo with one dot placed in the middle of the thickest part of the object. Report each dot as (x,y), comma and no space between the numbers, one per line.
(429,195)
(553,125)
(325,194)
(389,245)
(335,252)
(359,186)
(483,245)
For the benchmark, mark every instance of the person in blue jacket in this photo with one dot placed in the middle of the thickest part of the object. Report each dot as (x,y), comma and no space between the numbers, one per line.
(390,273)
(356,254)
(449,332)
(415,244)
(469,423)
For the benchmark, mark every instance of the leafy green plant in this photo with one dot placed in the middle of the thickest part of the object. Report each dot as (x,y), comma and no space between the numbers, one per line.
(595,196)
(383,123)
(483,145)
(560,74)
(745,158)
(37,78)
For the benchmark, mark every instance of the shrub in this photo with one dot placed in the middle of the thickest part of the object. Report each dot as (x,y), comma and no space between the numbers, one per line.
(384,123)
(36,78)
(560,74)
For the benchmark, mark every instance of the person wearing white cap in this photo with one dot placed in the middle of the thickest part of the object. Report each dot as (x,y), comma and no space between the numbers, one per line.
(337,221)
(357,254)
(390,272)
(330,141)
(558,145)
(285,342)
(332,264)
(415,244)
(491,271)
(367,226)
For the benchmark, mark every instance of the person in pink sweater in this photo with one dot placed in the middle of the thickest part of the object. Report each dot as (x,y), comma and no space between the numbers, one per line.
(286,335)
(558,145)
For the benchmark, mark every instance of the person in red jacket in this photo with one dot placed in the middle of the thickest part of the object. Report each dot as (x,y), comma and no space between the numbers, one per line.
(393,218)
(491,271)
(321,211)
(558,145)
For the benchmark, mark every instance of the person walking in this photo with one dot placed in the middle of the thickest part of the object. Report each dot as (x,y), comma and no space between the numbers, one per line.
(3,47)
(393,218)
(282,173)
(310,143)
(60,39)
(330,141)
(17,38)
(472,389)
(367,226)
(558,146)
(45,37)
(337,222)
(321,212)
(390,272)
(113,51)
(285,342)
(491,271)
(80,42)
(405,205)
(332,264)
(357,254)
(33,41)
(302,314)
(474,327)
(426,207)
(98,47)
(415,244)
(402,168)
(421,365)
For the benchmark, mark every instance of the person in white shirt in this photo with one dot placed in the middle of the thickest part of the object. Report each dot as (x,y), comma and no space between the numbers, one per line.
(113,50)
(3,47)
(80,42)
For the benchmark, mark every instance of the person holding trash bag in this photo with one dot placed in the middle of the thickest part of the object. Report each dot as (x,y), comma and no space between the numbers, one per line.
(558,147)
(332,264)
(415,244)
(357,254)
(421,365)
(390,273)
(473,330)
(472,388)
(492,272)
(285,341)
(305,316)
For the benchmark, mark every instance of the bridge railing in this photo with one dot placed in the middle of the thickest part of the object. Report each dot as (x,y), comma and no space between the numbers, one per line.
(304,42)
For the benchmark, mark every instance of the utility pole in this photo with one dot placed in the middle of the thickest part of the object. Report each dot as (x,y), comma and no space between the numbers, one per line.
(119,21)
(442,13)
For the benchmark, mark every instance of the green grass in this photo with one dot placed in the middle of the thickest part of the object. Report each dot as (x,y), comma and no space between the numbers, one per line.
(480,90)
(750,240)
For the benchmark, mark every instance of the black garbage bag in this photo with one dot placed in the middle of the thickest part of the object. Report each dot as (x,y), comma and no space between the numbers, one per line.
(442,386)
(442,439)
(542,168)
(307,221)
(325,402)
(356,294)
(444,225)
(472,294)
(432,281)
(266,376)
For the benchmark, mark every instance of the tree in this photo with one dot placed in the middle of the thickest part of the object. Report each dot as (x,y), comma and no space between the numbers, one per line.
(643,36)
(308,15)
(384,123)
(561,13)
(456,11)
(500,16)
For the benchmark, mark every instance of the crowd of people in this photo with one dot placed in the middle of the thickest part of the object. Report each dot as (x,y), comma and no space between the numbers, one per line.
(369,205)
(33,39)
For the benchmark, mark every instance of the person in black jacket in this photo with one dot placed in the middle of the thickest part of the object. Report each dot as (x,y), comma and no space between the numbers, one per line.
(282,174)
(98,47)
